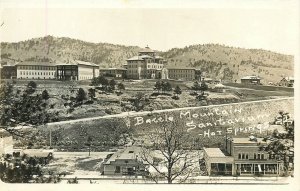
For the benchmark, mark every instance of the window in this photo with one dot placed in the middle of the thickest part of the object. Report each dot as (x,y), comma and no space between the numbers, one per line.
(240,156)
(254,156)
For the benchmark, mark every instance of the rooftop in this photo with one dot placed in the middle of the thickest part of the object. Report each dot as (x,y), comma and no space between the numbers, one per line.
(146,49)
(125,154)
(78,62)
(34,63)
(112,68)
(214,152)
(247,140)
(250,78)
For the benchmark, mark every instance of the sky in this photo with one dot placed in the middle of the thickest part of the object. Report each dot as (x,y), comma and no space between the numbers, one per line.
(271,25)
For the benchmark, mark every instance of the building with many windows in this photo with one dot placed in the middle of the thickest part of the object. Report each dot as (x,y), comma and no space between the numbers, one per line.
(77,70)
(145,66)
(181,73)
(36,70)
(242,157)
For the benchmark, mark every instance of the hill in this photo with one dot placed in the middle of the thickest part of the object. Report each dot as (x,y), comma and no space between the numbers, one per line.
(63,49)
(217,61)
(229,63)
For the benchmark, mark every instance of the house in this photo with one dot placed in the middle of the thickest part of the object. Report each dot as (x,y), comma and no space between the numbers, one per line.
(181,73)
(145,65)
(242,157)
(250,80)
(77,70)
(287,82)
(36,70)
(113,72)
(127,161)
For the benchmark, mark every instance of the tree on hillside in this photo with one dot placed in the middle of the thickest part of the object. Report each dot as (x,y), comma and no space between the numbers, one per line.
(23,108)
(31,87)
(81,95)
(121,86)
(138,101)
(166,86)
(158,86)
(176,155)
(112,84)
(196,86)
(203,87)
(177,91)
(91,93)
(45,95)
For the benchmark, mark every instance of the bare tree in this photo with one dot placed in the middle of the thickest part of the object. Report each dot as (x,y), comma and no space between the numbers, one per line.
(173,158)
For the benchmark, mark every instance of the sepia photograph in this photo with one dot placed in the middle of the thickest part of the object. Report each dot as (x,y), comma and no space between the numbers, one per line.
(149,94)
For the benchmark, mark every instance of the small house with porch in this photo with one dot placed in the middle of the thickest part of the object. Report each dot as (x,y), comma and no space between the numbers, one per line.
(124,162)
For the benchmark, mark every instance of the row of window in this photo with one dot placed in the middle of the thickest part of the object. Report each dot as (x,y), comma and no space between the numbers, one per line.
(181,71)
(36,73)
(257,156)
(85,77)
(180,76)
(37,67)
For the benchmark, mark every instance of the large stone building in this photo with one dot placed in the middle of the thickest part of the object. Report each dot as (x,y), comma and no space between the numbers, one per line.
(77,70)
(146,65)
(36,70)
(242,157)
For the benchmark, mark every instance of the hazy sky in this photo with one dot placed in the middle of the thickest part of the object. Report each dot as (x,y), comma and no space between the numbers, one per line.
(272,26)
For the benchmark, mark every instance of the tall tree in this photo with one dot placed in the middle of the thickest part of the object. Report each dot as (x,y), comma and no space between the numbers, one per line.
(177,91)
(112,84)
(45,95)
(81,95)
(158,86)
(172,142)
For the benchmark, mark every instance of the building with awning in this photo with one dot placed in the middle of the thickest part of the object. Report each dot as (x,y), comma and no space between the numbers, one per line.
(242,157)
